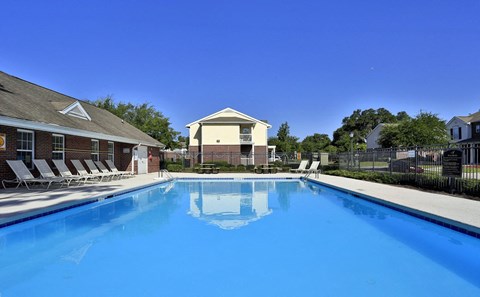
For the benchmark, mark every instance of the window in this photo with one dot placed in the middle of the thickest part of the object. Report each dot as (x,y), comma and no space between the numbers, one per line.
(95,150)
(111,151)
(245,134)
(456,133)
(25,147)
(477,128)
(58,147)
(245,130)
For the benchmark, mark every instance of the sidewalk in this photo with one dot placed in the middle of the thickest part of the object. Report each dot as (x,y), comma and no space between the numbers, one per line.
(17,204)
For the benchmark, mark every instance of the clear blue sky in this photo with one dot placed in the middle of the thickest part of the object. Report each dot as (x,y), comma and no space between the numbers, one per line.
(310,63)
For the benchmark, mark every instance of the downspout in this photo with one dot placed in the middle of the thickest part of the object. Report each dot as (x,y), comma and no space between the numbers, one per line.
(133,156)
(201,142)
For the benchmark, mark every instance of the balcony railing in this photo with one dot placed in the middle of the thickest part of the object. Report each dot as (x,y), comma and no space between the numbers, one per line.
(246,138)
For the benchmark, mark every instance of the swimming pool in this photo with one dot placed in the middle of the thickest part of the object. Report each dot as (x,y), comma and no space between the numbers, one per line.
(236,238)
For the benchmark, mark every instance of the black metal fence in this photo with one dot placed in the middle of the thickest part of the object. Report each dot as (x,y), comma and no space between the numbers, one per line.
(229,159)
(420,166)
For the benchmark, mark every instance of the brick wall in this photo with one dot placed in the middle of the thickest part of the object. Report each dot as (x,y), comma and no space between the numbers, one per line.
(10,153)
(153,159)
(194,153)
(227,153)
(75,148)
(261,153)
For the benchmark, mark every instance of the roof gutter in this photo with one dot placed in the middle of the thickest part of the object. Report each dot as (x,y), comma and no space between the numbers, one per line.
(19,123)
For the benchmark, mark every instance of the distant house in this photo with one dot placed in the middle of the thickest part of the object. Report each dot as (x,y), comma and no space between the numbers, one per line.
(231,136)
(373,136)
(465,130)
(38,123)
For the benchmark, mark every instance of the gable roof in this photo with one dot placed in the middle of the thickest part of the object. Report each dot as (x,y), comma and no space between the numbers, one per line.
(238,118)
(474,117)
(27,105)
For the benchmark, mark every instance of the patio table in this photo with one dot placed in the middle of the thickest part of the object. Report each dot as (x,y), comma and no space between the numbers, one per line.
(208,168)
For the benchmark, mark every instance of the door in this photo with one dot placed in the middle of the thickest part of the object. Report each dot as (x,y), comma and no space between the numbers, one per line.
(142,160)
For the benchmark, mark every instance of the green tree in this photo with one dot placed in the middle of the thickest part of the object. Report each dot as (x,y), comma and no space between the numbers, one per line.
(424,129)
(402,116)
(389,136)
(284,141)
(184,140)
(144,117)
(360,123)
(315,143)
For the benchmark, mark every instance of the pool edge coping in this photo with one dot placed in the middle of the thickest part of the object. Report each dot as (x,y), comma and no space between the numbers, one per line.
(41,212)
(430,217)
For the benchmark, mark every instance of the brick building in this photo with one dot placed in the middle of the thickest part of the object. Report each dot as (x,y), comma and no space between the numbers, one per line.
(38,123)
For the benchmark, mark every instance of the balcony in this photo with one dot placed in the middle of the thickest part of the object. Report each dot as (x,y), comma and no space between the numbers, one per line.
(246,139)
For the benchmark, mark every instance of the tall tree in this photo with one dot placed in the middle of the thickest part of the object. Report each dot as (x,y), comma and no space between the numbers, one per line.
(359,124)
(315,143)
(284,141)
(424,129)
(402,116)
(144,117)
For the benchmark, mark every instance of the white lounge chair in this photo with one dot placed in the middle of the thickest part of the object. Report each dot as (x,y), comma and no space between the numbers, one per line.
(313,167)
(113,168)
(46,171)
(83,172)
(24,176)
(104,169)
(301,167)
(94,170)
(65,172)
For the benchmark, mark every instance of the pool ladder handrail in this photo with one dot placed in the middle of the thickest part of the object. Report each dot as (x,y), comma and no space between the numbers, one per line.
(317,172)
(167,174)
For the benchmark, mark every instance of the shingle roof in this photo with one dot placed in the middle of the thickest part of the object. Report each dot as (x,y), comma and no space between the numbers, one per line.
(474,117)
(239,118)
(23,100)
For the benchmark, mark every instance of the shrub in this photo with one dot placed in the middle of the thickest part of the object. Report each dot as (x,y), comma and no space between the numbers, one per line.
(221,164)
(240,168)
(277,164)
(174,167)
(366,175)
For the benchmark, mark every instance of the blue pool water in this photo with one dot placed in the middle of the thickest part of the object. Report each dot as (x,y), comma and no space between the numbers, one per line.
(236,238)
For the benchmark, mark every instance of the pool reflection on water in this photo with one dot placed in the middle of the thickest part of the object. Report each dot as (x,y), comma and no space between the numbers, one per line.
(236,238)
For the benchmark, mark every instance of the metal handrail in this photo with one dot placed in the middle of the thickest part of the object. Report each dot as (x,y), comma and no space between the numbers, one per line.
(167,174)
(317,172)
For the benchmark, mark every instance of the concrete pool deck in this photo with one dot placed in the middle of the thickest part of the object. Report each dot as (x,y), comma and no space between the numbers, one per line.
(19,204)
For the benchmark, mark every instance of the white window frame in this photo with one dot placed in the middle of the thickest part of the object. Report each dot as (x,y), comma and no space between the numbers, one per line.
(26,150)
(54,149)
(111,154)
(95,155)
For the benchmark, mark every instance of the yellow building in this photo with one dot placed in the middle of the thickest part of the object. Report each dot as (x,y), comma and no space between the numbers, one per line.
(231,136)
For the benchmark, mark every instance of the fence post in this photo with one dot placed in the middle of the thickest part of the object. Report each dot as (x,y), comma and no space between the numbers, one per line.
(416,162)
(390,161)
(373,160)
